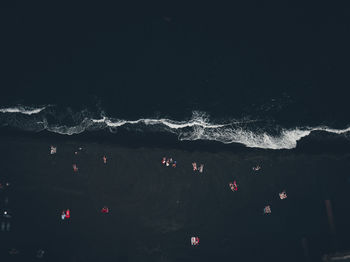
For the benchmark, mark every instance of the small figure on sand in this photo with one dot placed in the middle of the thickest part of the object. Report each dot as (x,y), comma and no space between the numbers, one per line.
(53,150)
(65,214)
(77,152)
(256,168)
(105,210)
(283,195)
(233,185)
(3,186)
(7,214)
(196,168)
(75,168)
(267,210)
(200,169)
(168,162)
(104,159)
(194,165)
(194,241)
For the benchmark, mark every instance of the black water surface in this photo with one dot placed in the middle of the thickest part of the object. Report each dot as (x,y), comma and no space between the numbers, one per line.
(278,62)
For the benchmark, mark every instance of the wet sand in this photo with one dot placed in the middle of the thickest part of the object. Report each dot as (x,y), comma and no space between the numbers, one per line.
(154,210)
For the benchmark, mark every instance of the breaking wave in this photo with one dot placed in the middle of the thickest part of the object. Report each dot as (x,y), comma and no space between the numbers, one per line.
(251,133)
(22,110)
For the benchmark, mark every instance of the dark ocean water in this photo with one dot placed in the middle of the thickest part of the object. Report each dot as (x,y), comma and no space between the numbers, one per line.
(223,78)
(255,74)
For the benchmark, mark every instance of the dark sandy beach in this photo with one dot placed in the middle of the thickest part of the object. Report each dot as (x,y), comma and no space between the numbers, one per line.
(230,86)
(154,210)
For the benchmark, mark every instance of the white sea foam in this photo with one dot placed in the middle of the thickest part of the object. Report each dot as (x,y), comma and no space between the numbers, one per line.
(198,127)
(286,140)
(22,110)
(201,129)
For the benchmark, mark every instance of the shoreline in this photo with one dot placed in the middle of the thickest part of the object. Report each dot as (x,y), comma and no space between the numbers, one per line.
(314,144)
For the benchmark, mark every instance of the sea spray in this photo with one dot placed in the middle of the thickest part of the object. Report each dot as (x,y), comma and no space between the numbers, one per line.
(251,133)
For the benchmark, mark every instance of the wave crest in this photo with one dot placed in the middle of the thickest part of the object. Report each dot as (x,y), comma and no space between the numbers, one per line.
(22,110)
(251,133)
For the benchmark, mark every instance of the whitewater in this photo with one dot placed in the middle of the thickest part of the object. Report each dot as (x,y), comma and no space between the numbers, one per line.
(198,127)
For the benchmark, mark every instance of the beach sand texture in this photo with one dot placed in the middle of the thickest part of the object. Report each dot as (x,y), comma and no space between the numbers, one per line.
(155,210)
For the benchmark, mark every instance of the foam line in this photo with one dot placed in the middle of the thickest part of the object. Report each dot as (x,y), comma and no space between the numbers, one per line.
(22,110)
(198,127)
